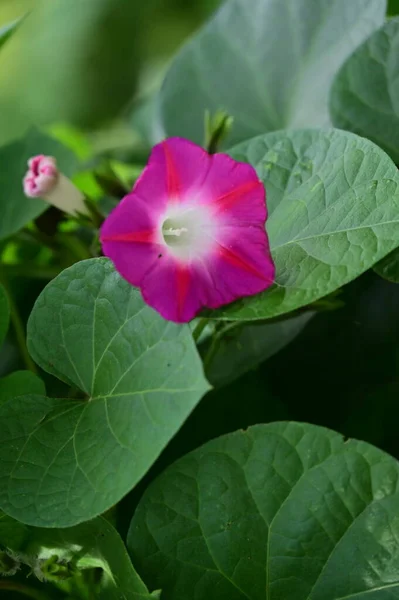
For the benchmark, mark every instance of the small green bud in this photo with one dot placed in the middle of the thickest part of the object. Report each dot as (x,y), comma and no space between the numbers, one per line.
(53,569)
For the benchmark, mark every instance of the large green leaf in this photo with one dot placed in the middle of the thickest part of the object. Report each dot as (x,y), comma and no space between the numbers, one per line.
(268,63)
(281,511)
(15,209)
(4,314)
(241,347)
(91,545)
(20,383)
(333,200)
(64,461)
(365,94)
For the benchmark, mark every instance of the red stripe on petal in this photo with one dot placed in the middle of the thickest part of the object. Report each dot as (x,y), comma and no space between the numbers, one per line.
(235,260)
(143,237)
(230,198)
(183,281)
(173,183)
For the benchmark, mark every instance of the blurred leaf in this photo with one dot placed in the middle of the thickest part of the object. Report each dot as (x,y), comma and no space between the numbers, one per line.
(126,173)
(240,348)
(286,509)
(79,60)
(72,138)
(268,64)
(365,94)
(4,314)
(91,545)
(16,210)
(6,31)
(11,10)
(20,383)
(72,460)
(333,202)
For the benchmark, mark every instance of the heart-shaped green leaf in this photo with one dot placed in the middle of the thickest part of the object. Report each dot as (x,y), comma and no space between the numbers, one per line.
(91,545)
(333,201)
(16,210)
(4,314)
(20,383)
(281,511)
(240,347)
(365,94)
(63,461)
(267,63)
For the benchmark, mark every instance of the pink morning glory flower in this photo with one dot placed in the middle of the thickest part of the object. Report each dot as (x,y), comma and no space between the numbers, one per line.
(191,234)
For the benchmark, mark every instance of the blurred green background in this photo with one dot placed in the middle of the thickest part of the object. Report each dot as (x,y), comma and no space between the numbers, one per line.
(87,62)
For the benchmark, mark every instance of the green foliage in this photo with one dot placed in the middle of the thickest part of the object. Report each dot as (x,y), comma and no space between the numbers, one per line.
(4,314)
(286,509)
(64,461)
(55,555)
(333,202)
(269,65)
(365,94)
(16,210)
(20,383)
(282,511)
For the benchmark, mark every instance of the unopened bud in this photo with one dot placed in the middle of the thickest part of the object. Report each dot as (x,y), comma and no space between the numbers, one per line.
(54,569)
(43,180)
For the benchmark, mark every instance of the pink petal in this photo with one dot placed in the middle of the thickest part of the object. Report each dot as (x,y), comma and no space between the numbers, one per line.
(33,163)
(129,238)
(133,215)
(176,167)
(133,260)
(169,289)
(236,192)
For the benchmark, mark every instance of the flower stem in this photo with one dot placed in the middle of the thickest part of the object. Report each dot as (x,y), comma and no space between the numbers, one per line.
(199,329)
(18,327)
(13,586)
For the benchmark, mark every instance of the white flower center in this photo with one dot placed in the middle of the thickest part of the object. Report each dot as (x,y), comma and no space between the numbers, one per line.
(188,233)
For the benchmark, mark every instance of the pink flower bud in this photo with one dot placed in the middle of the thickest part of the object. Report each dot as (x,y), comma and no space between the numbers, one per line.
(41,176)
(43,180)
